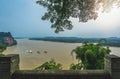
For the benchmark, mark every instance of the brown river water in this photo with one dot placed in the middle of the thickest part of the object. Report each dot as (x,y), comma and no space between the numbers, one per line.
(34,53)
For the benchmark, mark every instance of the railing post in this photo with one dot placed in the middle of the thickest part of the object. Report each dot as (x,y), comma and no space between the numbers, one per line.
(112,66)
(8,65)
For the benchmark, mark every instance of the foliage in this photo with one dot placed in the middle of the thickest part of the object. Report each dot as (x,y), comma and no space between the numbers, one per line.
(91,55)
(60,11)
(78,66)
(2,48)
(51,65)
(1,54)
(5,38)
(103,41)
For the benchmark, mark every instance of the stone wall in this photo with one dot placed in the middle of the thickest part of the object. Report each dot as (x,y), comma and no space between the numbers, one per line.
(63,74)
(8,65)
(112,66)
(9,69)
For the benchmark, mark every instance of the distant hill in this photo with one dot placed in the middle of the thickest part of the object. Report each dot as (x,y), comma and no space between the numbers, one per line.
(67,39)
(112,41)
(7,39)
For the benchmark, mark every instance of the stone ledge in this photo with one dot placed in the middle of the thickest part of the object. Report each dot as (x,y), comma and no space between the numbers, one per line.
(61,74)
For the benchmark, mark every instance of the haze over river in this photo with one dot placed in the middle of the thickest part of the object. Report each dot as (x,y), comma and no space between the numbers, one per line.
(42,51)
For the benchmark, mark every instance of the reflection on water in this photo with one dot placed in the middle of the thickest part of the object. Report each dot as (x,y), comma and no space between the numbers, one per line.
(34,53)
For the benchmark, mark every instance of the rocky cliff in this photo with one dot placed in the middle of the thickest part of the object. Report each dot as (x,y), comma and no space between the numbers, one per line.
(7,39)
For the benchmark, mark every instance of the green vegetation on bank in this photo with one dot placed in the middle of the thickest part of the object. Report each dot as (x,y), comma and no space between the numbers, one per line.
(7,39)
(112,41)
(2,48)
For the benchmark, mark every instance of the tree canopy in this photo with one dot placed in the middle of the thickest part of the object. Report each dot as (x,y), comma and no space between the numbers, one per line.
(60,11)
(51,65)
(91,55)
(78,66)
(2,48)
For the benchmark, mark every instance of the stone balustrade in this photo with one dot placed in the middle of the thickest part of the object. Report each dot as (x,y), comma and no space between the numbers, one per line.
(9,69)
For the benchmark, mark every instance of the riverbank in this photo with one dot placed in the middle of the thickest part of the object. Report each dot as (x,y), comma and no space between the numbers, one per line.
(114,42)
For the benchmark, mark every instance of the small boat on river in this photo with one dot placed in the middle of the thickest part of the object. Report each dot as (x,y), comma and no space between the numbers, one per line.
(28,51)
(45,52)
(38,52)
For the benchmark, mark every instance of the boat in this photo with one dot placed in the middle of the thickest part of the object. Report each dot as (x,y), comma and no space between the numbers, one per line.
(38,52)
(45,52)
(30,51)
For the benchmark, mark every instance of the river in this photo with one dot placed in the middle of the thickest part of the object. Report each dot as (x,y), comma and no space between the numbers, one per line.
(43,51)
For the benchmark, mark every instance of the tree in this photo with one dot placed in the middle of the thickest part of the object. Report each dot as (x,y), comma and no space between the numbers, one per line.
(78,66)
(103,41)
(60,11)
(2,48)
(91,55)
(51,65)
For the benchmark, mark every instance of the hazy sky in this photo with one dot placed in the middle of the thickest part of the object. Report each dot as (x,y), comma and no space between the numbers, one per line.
(23,19)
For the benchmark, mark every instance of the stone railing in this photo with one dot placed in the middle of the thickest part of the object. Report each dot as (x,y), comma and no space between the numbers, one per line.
(9,69)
